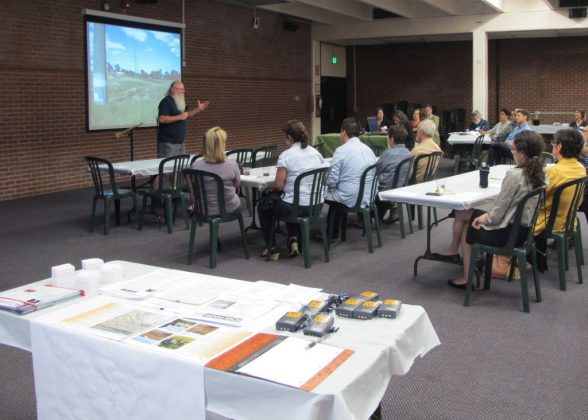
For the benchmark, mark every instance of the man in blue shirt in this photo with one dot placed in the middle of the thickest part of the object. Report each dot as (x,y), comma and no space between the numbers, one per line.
(500,151)
(349,162)
(172,118)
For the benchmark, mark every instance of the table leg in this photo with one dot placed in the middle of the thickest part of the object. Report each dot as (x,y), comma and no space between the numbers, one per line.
(428,255)
(253,225)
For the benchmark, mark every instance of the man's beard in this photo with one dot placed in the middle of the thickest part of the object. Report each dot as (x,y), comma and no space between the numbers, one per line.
(180,101)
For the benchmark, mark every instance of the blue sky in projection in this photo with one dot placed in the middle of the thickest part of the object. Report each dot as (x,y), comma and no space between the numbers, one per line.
(140,49)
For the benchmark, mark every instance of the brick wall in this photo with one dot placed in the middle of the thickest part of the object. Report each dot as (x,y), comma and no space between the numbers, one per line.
(252,78)
(543,74)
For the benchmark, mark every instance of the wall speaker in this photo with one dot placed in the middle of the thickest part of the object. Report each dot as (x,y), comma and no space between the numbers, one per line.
(255,22)
(578,13)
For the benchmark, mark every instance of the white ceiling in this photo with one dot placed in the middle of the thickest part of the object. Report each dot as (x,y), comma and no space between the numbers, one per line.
(323,13)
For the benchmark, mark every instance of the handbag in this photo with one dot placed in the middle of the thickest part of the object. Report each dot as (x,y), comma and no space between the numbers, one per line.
(268,199)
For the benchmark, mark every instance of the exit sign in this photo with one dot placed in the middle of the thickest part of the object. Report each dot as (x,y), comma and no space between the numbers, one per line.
(334,60)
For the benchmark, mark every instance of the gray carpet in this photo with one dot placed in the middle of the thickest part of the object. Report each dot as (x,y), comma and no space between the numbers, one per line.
(495,362)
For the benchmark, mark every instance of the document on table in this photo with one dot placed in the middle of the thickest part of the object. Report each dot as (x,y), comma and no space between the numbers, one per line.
(144,286)
(290,361)
(282,293)
(233,309)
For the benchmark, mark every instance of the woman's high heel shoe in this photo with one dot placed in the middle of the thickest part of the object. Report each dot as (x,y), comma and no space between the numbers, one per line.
(293,246)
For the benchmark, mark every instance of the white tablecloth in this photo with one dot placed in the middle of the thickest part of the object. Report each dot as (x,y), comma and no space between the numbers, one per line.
(466,138)
(81,376)
(462,191)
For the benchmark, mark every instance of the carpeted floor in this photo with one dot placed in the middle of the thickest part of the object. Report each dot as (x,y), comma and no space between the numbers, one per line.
(495,362)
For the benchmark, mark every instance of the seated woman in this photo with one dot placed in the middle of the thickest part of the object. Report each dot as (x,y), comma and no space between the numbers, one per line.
(298,158)
(381,121)
(215,161)
(417,117)
(493,228)
(401,119)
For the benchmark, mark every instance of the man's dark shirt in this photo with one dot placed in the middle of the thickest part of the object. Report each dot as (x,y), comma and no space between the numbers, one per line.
(174,132)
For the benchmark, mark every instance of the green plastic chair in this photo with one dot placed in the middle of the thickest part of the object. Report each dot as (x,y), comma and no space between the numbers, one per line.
(547,158)
(374,172)
(316,179)
(265,156)
(97,166)
(472,159)
(517,253)
(396,184)
(167,194)
(571,229)
(194,159)
(432,162)
(199,179)
(243,158)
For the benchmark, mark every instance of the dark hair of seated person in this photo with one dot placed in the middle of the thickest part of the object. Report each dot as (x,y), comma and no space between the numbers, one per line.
(398,133)
(296,130)
(531,144)
(506,112)
(571,141)
(402,118)
(350,126)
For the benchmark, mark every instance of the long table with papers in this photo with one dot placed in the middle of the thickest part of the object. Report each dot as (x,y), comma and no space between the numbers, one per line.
(139,349)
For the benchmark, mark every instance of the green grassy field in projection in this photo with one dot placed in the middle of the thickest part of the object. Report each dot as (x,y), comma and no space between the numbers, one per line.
(130,101)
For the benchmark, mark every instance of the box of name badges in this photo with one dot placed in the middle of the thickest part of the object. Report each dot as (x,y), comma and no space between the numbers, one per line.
(389,308)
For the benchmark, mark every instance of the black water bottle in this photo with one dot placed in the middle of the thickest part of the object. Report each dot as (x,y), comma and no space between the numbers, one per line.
(484,172)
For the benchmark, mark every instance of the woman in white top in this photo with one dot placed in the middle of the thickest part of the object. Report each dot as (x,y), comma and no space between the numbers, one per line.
(298,158)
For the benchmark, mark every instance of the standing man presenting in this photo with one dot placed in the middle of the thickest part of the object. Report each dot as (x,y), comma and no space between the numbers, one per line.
(172,118)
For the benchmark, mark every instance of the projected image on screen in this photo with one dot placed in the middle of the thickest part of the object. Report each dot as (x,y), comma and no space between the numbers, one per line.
(129,72)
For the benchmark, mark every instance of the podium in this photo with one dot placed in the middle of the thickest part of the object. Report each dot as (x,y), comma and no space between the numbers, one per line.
(129,132)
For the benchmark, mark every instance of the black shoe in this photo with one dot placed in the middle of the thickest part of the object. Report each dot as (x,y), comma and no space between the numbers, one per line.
(457,286)
(454,258)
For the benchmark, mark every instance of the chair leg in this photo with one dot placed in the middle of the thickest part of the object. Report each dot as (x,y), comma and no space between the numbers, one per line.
(192,237)
(377,217)
(142,213)
(578,240)
(94,200)
(117,211)
(401,220)
(579,254)
(536,275)
(561,262)
(367,224)
(323,226)
(522,261)
(243,235)
(213,243)
(167,200)
(471,274)
(305,233)
(106,215)
(183,210)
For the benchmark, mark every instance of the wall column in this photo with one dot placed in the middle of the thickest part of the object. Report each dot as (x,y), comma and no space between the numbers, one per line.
(316,80)
(480,72)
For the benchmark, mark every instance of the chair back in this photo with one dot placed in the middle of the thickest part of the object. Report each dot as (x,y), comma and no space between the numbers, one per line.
(317,180)
(478,143)
(431,163)
(575,190)
(194,159)
(199,180)
(372,124)
(370,179)
(406,166)
(177,164)
(378,149)
(94,164)
(265,156)
(539,194)
(242,156)
(547,158)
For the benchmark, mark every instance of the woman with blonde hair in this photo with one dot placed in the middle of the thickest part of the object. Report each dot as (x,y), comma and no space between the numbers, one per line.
(215,161)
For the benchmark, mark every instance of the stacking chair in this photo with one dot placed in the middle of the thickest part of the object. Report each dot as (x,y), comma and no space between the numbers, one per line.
(547,158)
(518,254)
(372,185)
(316,179)
(199,179)
(575,189)
(408,165)
(102,193)
(167,194)
(243,157)
(194,159)
(432,161)
(472,160)
(264,156)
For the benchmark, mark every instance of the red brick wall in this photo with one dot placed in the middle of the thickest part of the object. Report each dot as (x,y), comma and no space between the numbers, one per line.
(250,76)
(536,74)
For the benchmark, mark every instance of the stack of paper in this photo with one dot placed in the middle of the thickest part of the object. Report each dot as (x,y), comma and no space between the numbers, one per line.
(23,300)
